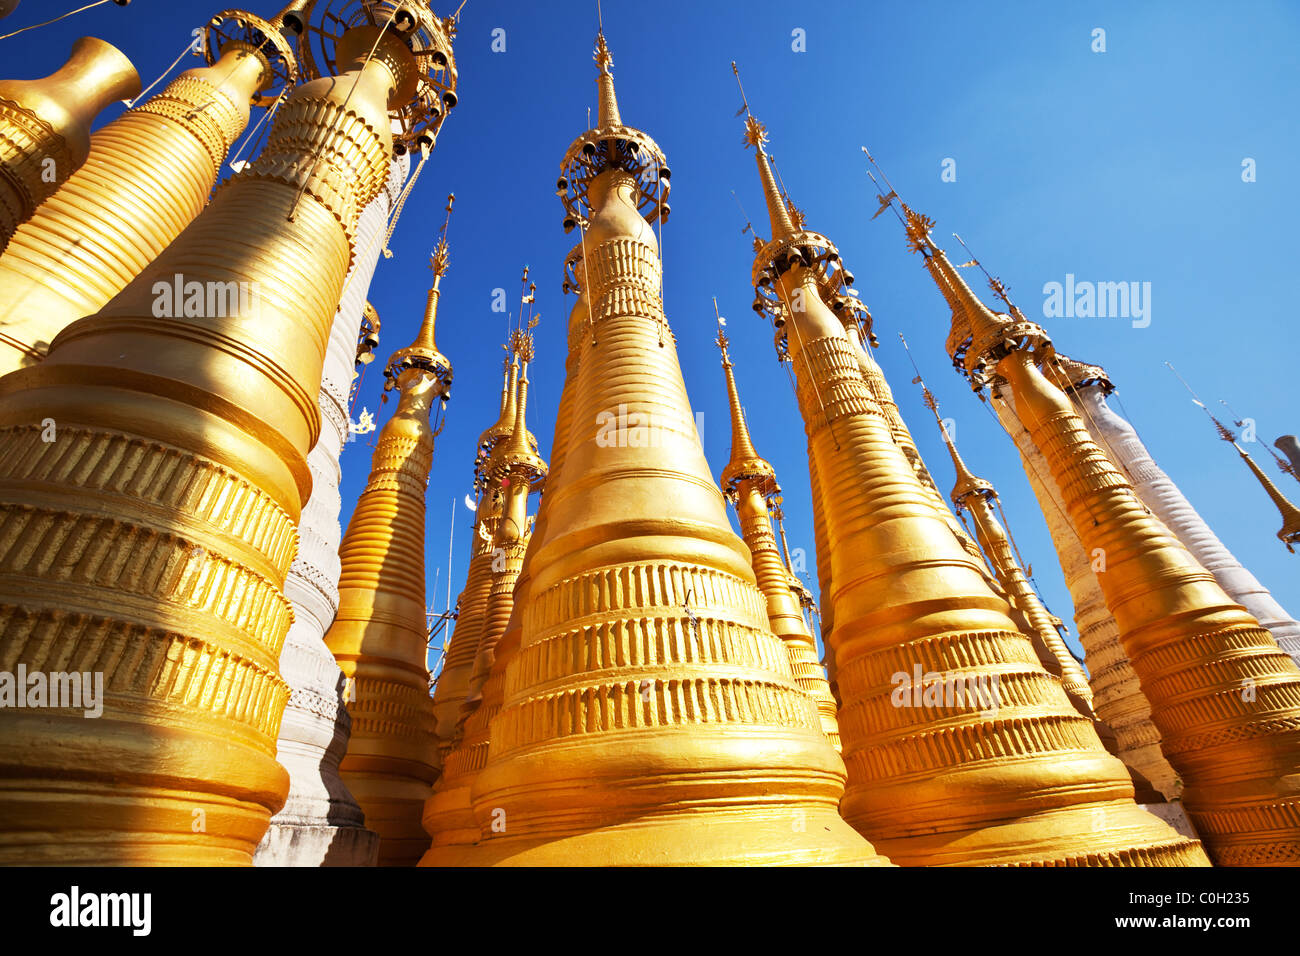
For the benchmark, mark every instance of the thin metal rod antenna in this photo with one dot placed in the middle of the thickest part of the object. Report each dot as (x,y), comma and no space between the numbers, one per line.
(931,402)
(871,159)
(37,26)
(456,16)
(749,225)
(451,540)
(1240,423)
(890,203)
(741,87)
(973,257)
(1223,432)
(600,18)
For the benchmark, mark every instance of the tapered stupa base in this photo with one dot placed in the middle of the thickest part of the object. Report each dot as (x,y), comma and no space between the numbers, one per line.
(393,807)
(123,796)
(774,807)
(744,837)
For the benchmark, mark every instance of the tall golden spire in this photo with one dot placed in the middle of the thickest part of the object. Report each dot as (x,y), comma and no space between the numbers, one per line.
(453,685)
(458,661)
(190,472)
(980,498)
(449,814)
(519,470)
(516,469)
(749,483)
(378,636)
(648,700)
(607,110)
(1192,646)
(1290,531)
(937,684)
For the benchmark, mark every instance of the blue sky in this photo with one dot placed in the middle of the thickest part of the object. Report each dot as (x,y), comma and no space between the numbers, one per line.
(1117,166)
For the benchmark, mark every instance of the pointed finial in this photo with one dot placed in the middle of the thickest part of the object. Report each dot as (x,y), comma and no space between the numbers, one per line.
(439,261)
(745,464)
(604,59)
(1290,533)
(966,484)
(722,339)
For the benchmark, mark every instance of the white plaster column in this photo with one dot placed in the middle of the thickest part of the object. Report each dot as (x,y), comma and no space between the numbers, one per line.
(1159,493)
(321,823)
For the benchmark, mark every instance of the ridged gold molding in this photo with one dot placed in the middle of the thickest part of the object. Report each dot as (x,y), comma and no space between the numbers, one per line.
(514,470)
(149,173)
(979,498)
(458,665)
(378,636)
(1116,691)
(151,471)
(45,126)
(1224,696)
(449,814)
(961,748)
(650,715)
(749,482)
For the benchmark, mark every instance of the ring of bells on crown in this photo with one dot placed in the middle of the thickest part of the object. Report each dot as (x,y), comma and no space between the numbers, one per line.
(618,147)
(834,282)
(238,29)
(429,39)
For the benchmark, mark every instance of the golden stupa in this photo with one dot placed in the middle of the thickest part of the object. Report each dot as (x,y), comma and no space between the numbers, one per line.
(170,492)
(961,748)
(1224,696)
(45,126)
(149,173)
(378,636)
(648,701)
(513,471)
(749,483)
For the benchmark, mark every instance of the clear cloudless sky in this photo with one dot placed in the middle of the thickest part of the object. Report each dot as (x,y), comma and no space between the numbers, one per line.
(1117,166)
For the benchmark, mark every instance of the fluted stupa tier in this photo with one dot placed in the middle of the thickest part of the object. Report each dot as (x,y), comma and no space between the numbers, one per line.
(749,482)
(321,823)
(1116,692)
(378,636)
(149,173)
(650,715)
(1225,697)
(167,481)
(45,126)
(449,815)
(961,748)
(1088,386)
(978,497)
(458,662)
(513,470)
